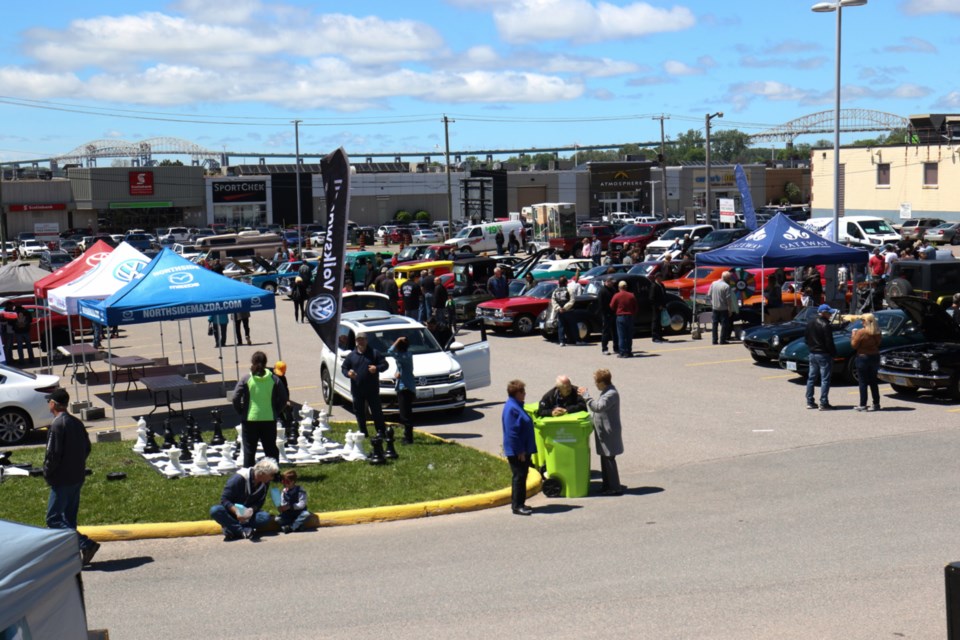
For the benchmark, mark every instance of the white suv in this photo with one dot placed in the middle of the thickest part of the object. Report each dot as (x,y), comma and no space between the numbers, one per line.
(443,377)
(656,248)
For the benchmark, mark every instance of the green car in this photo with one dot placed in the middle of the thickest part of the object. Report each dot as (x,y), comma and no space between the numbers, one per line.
(897,328)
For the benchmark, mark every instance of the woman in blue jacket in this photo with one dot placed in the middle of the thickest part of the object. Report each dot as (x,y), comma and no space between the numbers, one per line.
(518,443)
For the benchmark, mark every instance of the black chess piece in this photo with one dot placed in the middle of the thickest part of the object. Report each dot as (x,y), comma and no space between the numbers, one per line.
(218,438)
(169,442)
(151,446)
(391,452)
(290,429)
(185,454)
(376,457)
(193,429)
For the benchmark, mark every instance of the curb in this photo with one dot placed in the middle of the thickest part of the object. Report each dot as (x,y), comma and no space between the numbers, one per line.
(121,532)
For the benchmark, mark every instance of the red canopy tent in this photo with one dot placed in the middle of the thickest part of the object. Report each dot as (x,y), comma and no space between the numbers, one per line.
(90,258)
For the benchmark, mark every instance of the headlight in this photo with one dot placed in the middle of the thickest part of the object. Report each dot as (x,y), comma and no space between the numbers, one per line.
(776,341)
(456,376)
(883,360)
(498,313)
(934,366)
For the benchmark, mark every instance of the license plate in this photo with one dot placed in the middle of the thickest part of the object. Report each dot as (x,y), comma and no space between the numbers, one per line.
(791,366)
(900,382)
(542,325)
(759,352)
(424,394)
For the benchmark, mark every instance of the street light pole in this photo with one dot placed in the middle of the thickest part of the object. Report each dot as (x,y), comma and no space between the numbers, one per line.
(446,157)
(709,214)
(827,7)
(296,134)
(653,197)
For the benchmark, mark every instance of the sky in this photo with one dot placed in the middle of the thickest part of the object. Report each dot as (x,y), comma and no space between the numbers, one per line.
(378,77)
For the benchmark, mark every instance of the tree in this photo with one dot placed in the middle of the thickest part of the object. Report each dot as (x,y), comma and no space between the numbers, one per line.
(730,145)
(403,216)
(422,216)
(170,163)
(792,193)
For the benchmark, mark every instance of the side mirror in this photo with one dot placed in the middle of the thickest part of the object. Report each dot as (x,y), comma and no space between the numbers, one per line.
(455,346)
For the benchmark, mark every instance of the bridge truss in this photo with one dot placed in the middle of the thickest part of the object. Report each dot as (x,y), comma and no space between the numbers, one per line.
(823,122)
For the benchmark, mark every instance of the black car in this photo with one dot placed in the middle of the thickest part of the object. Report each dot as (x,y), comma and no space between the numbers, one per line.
(586,311)
(765,342)
(717,239)
(930,365)
(53,260)
(935,280)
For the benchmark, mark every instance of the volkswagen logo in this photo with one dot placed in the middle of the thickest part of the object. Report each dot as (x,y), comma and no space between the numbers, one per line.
(95,259)
(322,308)
(129,270)
(421,381)
(182,277)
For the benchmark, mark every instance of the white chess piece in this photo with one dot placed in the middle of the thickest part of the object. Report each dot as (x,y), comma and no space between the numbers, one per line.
(226,458)
(201,466)
(141,436)
(240,435)
(282,445)
(357,450)
(303,449)
(174,469)
(306,411)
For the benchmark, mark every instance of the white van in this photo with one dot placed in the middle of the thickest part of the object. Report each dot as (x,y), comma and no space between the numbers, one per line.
(861,231)
(476,238)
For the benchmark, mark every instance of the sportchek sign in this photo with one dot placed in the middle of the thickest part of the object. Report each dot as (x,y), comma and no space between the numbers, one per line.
(239,191)
(141,183)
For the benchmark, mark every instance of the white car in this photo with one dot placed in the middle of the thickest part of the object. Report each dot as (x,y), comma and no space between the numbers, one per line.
(31,248)
(443,377)
(23,403)
(421,236)
(566,264)
(655,250)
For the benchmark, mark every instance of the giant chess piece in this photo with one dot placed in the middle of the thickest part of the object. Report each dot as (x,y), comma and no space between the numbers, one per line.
(306,421)
(282,446)
(303,450)
(218,438)
(141,436)
(151,446)
(185,454)
(193,429)
(226,463)
(358,452)
(290,429)
(169,442)
(391,452)
(201,466)
(174,469)
(377,456)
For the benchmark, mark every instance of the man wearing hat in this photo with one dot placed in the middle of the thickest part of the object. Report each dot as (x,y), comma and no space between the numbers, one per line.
(64,469)
(819,339)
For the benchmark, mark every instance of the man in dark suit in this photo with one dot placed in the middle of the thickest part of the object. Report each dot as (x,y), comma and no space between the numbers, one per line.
(658,301)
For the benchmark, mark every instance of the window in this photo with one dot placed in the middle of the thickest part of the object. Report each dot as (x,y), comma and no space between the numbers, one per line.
(930,174)
(883,174)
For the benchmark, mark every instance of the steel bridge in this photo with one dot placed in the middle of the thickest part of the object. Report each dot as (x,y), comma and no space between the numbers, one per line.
(851,120)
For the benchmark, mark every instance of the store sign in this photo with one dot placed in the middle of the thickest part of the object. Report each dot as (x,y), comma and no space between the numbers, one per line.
(728,214)
(141,183)
(37,207)
(239,191)
(141,205)
(620,180)
(906,211)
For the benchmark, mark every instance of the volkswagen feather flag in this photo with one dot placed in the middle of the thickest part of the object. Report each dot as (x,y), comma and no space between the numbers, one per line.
(323,306)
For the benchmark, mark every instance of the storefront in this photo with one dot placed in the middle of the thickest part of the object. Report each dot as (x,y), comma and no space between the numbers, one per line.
(620,186)
(239,202)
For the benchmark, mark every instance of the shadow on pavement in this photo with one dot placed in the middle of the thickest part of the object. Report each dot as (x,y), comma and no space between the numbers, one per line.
(550,509)
(122,564)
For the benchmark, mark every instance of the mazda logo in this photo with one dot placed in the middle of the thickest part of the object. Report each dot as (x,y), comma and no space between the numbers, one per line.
(322,308)
(183,277)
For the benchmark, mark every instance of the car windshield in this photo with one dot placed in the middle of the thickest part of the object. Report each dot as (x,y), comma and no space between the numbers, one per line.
(643,269)
(887,322)
(876,227)
(635,230)
(945,225)
(420,340)
(596,271)
(409,253)
(673,234)
(542,290)
(463,233)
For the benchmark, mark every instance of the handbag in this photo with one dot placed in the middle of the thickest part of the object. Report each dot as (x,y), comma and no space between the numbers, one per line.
(209,328)
(664,318)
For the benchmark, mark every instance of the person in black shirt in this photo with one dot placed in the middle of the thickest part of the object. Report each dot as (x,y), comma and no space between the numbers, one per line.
(412,294)
(658,301)
(427,286)
(819,339)
(440,297)
(607,315)
(363,366)
(564,398)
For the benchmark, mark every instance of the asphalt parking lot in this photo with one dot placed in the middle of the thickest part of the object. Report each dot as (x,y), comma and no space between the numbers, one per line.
(746,516)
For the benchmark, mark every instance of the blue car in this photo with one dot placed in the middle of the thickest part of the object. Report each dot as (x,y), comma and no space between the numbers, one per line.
(139,241)
(269,279)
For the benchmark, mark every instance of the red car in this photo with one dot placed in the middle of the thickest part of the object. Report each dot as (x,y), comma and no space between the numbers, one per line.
(59,325)
(638,236)
(518,313)
(574,246)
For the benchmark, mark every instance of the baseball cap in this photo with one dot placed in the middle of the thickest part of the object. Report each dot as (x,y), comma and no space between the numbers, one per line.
(60,396)
(825,308)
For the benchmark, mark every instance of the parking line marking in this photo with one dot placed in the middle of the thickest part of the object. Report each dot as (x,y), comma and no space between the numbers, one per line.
(763,430)
(703,364)
(780,377)
(313,386)
(953,410)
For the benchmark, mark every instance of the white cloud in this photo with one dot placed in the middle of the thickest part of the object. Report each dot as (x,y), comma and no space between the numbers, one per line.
(677,68)
(238,11)
(916,7)
(785,63)
(37,84)
(911,45)
(949,101)
(585,21)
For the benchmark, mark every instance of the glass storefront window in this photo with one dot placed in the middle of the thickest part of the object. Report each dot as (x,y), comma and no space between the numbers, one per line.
(238,216)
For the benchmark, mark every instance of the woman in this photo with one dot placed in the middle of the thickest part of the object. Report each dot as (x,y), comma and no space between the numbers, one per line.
(518,443)
(866,341)
(607,429)
(299,295)
(21,332)
(406,384)
(260,398)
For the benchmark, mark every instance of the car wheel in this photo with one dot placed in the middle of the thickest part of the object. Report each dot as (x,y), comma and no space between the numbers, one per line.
(466,249)
(904,391)
(271,287)
(955,240)
(759,358)
(524,324)
(326,385)
(531,249)
(896,288)
(850,373)
(14,426)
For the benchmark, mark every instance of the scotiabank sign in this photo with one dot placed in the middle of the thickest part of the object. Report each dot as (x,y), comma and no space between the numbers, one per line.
(38,207)
(141,183)
(240,191)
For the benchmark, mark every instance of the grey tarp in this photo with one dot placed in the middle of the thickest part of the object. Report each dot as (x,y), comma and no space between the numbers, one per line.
(18,277)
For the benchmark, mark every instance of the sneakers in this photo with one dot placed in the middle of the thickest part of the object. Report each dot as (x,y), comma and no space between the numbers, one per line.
(248,533)
(811,405)
(286,528)
(230,537)
(860,408)
(87,553)
(875,407)
(826,406)
(523,511)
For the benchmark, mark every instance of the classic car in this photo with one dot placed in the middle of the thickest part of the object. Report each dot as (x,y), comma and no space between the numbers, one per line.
(897,328)
(470,277)
(268,278)
(765,342)
(519,313)
(931,364)
(698,276)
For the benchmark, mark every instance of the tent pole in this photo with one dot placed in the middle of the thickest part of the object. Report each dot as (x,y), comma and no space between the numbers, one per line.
(163,350)
(223,375)
(763,296)
(183,362)
(86,376)
(193,346)
(236,353)
(276,328)
(113,401)
(73,358)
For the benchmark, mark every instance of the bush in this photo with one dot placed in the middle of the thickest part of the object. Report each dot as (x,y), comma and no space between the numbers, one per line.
(422,216)
(403,216)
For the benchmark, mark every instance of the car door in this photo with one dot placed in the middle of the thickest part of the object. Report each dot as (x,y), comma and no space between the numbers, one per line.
(474,360)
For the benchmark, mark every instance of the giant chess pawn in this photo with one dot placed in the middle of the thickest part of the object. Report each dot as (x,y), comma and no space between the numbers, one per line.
(306,424)
(240,434)
(281,446)
(358,452)
(141,436)
(391,452)
(376,442)
(151,446)
(185,454)
(174,469)
(218,438)
(226,458)
(290,429)
(201,466)
(169,441)
(193,429)
(303,450)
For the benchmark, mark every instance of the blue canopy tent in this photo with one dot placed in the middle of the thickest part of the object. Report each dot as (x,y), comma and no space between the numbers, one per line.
(173,288)
(781,243)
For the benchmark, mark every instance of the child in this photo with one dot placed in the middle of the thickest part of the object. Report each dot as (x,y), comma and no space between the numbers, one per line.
(293,503)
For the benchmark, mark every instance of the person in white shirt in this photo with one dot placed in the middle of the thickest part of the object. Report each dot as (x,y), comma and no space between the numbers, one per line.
(890,258)
(574,285)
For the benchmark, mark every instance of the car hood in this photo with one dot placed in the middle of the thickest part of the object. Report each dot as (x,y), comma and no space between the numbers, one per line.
(424,364)
(505,303)
(628,238)
(784,329)
(933,320)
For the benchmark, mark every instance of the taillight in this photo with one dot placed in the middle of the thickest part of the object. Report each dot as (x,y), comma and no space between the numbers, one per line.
(47,390)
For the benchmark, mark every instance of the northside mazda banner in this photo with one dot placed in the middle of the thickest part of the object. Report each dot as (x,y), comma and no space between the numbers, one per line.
(323,307)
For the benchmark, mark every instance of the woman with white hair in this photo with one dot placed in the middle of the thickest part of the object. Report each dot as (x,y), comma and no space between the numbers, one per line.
(239,512)
(866,340)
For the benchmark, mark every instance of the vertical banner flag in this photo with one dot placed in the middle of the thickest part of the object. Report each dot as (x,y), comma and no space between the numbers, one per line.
(323,307)
(749,215)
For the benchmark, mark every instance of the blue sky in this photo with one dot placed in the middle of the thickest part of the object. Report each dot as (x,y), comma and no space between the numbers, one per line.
(378,76)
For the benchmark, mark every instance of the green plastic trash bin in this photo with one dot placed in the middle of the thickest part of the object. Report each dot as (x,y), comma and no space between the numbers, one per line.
(539,458)
(565,442)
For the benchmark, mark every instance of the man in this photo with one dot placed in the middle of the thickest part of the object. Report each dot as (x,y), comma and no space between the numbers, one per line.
(927,251)
(306,272)
(412,295)
(390,289)
(247,490)
(64,469)
(499,238)
(624,306)
(427,286)
(819,339)
(440,297)
(876,265)
(596,249)
(363,366)
(497,284)
(607,316)
(658,301)
(890,258)
(440,331)
(561,302)
(667,267)
(574,285)
(721,297)
(562,399)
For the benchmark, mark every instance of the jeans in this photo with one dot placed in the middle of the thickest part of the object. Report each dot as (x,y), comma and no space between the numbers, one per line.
(219,335)
(426,307)
(293,518)
(625,332)
(62,508)
(518,486)
(656,329)
(263,431)
(867,367)
(821,367)
(564,328)
(21,340)
(721,320)
(231,526)
(609,333)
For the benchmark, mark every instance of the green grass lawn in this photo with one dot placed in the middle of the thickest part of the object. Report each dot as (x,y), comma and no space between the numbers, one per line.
(428,470)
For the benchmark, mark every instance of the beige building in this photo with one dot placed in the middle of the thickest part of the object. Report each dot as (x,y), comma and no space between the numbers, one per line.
(895,182)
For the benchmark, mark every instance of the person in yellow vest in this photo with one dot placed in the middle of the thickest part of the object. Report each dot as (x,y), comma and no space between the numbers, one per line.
(259,398)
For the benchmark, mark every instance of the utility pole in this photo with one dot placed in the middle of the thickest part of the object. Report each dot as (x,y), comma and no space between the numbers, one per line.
(663,165)
(296,136)
(3,223)
(446,155)
(708,215)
